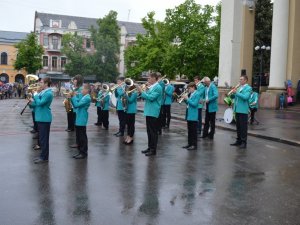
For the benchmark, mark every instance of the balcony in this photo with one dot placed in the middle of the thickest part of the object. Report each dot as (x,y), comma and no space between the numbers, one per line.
(54,48)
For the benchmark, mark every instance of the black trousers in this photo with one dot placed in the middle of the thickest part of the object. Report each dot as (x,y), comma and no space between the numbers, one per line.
(104,118)
(160,120)
(192,132)
(71,120)
(130,124)
(82,139)
(199,120)
(44,134)
(152,132)
(210,120)
(253,111)
(122,120)
(166,115)
(241,127)
(99,112)
(35,126)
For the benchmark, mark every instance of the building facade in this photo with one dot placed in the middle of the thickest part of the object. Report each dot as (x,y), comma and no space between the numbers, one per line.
(236,46)
(8,54)
(51,27)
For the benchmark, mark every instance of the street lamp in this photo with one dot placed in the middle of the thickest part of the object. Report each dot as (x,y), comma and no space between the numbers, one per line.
(261,49)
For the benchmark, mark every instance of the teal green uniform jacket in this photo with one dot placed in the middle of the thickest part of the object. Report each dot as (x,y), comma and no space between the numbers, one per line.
(192,106)
(201,91)
(131,103)
(32,107)
(153,97)
(81,105)
(42,102)
(106,102)
(253,99)
(168,94)
(78,95)
(119,93)
(162,84)
(213,95)
(100,93)
(241,99)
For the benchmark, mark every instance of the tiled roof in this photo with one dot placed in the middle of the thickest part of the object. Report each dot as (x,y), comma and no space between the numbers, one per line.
(85,23)
(12,36)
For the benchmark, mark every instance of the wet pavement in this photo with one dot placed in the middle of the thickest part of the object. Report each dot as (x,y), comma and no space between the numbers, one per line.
(277,125)
(215,185)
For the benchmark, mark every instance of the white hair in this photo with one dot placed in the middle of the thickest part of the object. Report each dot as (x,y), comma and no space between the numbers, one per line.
(206,79)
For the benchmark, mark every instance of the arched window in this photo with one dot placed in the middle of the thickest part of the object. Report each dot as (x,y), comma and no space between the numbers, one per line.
(4,58)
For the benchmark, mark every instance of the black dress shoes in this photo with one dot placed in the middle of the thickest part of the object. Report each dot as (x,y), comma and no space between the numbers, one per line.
(150,153)
(186,146)
(119,135)
(192,148)
(145,151)
(80,156)
(243,145)
(76,155)
(159,132)
(237,143)
(33,131)
(74,146)
(203,136)
(40,161)
(98,124)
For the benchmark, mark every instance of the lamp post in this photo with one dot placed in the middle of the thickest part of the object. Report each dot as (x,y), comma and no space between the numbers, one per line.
(261,49)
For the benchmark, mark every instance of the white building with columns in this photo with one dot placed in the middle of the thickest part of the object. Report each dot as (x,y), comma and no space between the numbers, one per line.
(236,45)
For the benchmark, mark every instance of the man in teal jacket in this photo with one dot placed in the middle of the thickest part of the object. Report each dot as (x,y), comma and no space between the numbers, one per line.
(81,106)
(119,93)
(167,102)
(241,109)
(192,116)
(131,111)
(201,91)
(153,98)
(43,116)
(211,101)
(253,104)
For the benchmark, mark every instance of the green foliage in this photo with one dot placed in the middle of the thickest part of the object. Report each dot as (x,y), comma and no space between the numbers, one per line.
(29,54)
(78,61)
(263,33)
(197,31)
(106,38)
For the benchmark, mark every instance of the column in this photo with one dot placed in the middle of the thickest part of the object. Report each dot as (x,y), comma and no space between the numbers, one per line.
(230,42)
(279,46)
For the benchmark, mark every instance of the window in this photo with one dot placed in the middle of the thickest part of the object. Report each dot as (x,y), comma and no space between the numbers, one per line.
(63,61)
(4,58)
(54,62)
(45,42)
(88,43)
(55,23)
(45,61)
(55,42)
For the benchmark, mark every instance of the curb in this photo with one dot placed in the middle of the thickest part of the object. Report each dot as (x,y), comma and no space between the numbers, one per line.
(253,134)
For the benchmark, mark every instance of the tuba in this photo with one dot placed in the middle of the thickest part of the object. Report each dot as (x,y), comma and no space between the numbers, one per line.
(227,99)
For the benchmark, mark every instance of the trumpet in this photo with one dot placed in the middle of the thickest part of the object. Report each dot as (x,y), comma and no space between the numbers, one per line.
(182,95)
(227,99)
(162,78)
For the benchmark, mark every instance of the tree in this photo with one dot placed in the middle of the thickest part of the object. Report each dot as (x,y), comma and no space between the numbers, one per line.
(29,55)
(149,50)
(263,33)
(106,38)
(186,42)
(78,60)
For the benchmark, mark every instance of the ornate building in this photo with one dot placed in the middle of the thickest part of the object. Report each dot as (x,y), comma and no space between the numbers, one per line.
(51,27)
(8,54)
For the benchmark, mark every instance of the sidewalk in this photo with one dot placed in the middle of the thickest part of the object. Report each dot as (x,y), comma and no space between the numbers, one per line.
(276,125)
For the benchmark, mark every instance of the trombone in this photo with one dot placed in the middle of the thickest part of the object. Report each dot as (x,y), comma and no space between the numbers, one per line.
(128,82)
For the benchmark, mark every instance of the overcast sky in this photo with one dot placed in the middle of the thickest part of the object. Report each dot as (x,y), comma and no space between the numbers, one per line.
(18,15)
